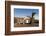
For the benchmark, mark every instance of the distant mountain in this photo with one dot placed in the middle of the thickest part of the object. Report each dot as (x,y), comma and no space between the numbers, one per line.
(23,17)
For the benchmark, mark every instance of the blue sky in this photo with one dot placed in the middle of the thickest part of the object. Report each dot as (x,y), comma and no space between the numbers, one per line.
(25,12)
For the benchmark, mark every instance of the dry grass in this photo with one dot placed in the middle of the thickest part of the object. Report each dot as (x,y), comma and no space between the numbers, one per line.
(26,25)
